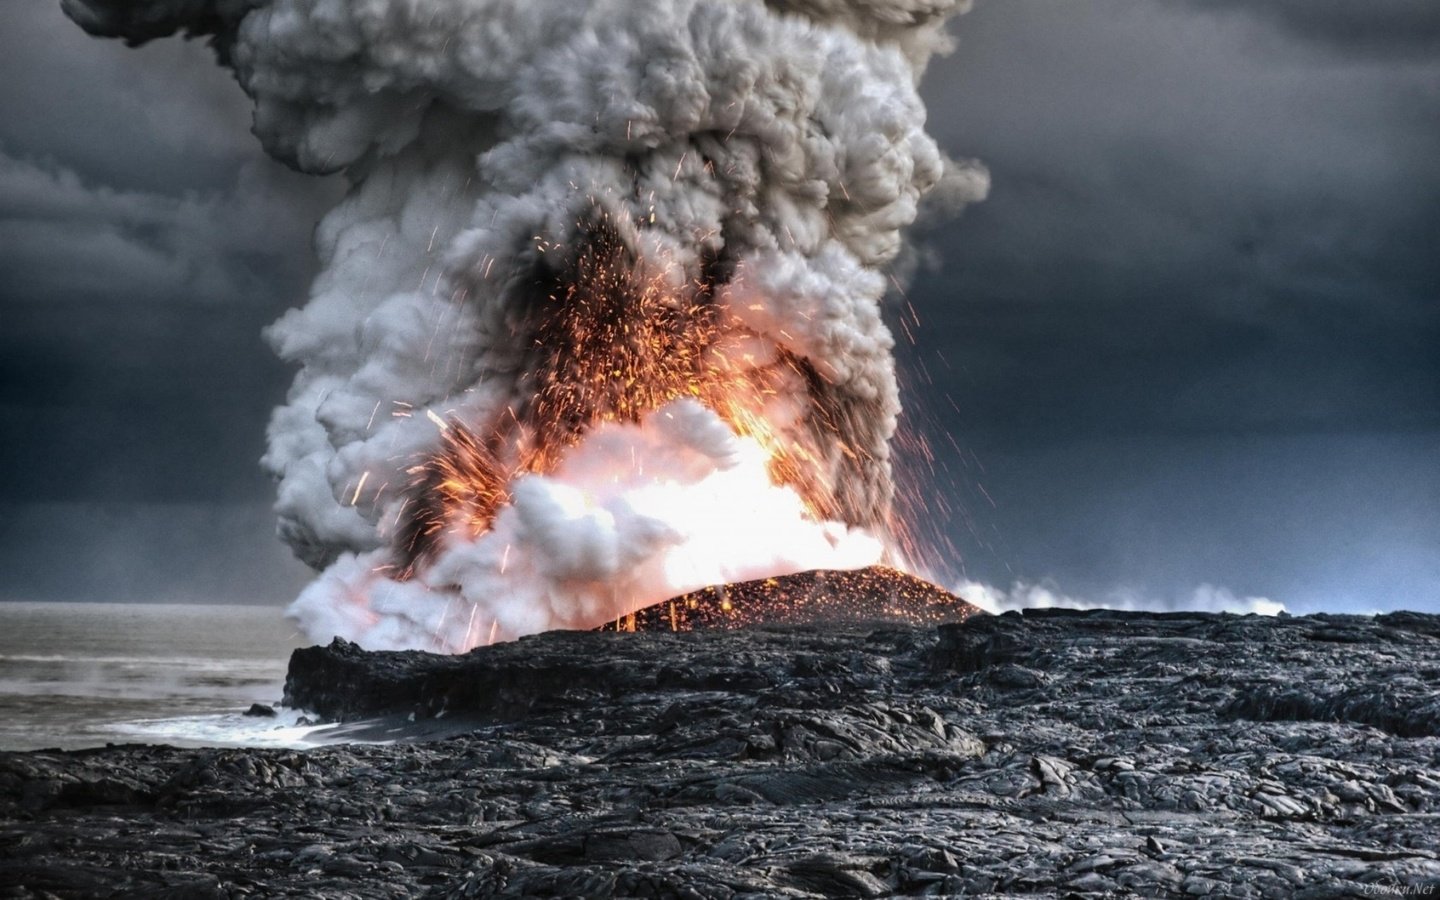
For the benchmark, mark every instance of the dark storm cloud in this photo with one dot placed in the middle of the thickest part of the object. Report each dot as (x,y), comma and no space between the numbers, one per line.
(1184,235)
(1315,521)
(93,411)
(66,238)
(144,553)
(162,118)
(144,242)
(131,364)
(1372,28)
(1190,337)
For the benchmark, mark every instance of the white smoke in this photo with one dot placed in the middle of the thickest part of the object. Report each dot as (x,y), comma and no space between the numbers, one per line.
(1030,595)
(600,537)
(782,138)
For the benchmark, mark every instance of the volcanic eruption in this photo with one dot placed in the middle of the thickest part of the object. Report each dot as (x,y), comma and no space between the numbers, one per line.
(600,319)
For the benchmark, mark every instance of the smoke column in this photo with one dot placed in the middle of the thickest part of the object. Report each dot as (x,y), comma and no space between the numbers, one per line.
(599,320)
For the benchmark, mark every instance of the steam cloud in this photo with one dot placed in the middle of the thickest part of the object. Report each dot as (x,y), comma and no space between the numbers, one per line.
(757,160)
(1029,595)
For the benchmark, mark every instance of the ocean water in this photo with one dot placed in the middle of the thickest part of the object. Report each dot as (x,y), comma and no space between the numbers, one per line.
(76,675)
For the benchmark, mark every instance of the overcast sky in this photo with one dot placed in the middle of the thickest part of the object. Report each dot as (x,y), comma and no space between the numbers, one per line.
(1192,337)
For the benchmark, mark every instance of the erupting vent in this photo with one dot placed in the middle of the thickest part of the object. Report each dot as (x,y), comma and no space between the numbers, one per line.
(873,594)
(613,339)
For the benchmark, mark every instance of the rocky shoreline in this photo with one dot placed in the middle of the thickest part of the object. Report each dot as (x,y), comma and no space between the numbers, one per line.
(1050,754)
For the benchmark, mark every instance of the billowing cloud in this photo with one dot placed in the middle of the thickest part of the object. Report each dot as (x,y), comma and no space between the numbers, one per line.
(564,217)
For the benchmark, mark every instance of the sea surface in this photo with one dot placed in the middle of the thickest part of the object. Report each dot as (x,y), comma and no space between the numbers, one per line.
(76,675)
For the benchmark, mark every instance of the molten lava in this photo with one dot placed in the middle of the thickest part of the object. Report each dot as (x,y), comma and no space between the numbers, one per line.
(613,339)
(874,594)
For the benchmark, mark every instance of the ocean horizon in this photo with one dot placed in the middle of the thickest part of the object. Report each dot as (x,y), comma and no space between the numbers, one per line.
(78,674)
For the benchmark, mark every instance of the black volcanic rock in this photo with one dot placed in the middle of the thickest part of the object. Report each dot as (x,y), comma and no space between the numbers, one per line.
(342,682)
(1049,754)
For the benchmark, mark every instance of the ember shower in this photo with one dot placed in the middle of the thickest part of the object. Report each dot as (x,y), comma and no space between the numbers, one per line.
(599,321)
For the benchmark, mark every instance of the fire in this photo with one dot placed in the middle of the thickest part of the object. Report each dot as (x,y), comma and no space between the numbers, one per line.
(614,339)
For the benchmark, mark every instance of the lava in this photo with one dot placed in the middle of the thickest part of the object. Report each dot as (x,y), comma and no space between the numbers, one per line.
(873,594)
(615,339)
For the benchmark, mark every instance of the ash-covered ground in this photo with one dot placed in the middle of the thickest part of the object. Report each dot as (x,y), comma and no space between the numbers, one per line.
(1051,754)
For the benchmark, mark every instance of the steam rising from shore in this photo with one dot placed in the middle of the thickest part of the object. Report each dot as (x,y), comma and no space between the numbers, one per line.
(760,158)
(1029,595)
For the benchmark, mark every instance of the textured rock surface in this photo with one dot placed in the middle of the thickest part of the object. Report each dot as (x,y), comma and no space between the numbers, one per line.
(872,594)
(1052,754)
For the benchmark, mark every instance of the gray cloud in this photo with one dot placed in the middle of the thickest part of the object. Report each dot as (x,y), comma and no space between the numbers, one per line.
(144,553)
(131,363)
(69,238)
(144,242)
(1314,521)
(1191,335)
(160,118)
(1371,28)
(1184,236)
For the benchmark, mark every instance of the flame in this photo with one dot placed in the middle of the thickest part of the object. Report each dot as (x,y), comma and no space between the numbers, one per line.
(617,338)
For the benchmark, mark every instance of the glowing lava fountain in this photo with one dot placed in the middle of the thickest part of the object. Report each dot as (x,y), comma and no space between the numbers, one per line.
(599,322)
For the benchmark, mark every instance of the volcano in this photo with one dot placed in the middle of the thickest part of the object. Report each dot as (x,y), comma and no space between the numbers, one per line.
(603,318)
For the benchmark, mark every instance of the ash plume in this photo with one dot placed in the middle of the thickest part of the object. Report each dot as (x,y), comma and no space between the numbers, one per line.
(599,320)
